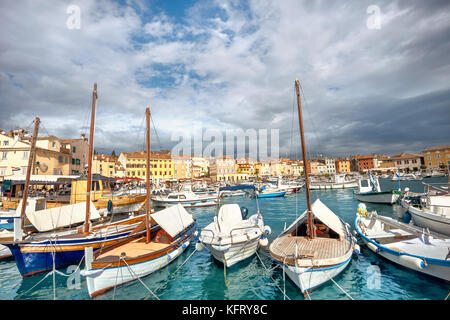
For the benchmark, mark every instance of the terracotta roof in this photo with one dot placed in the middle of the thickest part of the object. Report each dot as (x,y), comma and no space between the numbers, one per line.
(436,148)
(143,155)
(406,156)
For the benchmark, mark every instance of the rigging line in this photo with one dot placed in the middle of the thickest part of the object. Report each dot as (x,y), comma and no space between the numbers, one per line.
(312,121)
(292,124)
(156,133)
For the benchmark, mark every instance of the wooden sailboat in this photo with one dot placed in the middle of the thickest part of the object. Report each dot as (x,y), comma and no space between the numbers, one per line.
(54,246)
(140,255)
(318,245)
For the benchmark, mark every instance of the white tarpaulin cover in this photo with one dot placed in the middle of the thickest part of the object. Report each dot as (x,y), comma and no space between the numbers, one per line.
(49,219)
(324,214)
(173,220)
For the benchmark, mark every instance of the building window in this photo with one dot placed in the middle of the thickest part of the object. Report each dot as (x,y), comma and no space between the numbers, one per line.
(4,155)
(60,159)
(438,156)
(73,149)
(5,143)
(54,144)
(66,160)
(77,161)
(25,155)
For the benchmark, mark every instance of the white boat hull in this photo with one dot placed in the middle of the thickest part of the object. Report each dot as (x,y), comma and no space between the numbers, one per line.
(101,280)
(384,197)
(235,252)
(431,221)
(438,271)
(4,252)
(309,279)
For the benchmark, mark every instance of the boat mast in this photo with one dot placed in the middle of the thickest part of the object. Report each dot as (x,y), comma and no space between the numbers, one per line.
(147,166)
(305,163)
(30,164)
(91,145)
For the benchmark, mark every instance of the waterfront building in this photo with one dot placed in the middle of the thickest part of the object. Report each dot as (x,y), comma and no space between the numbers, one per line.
(342,165)
(436,156)
(407,162)
(79,150)
(104,165)
(330,166)
(51,156)
(182,167)
(223,168)
(161,165)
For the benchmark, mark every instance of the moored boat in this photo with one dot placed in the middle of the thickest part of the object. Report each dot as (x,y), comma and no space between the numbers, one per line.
(369,191)
(406,245)
(317,246)
(232,237)
(141,255)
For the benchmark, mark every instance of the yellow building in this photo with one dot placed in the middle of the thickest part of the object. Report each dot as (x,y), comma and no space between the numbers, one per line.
(342,165)
(182,167)
(51,157)
(161,166)
(104,165)
(436,156)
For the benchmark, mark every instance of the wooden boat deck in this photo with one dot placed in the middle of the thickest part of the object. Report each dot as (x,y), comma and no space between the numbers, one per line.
(323,250)
(132,249)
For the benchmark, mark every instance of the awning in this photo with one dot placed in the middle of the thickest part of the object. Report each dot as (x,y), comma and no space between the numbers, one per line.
(40,179)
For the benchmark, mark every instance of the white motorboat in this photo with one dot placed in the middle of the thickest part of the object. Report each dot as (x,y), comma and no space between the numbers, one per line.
(409,246)
(232,237)
(369,191)
(186,199)
(433,212)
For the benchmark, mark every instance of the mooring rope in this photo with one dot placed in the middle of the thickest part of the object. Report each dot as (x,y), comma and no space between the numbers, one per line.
(179,267)
(268,272)
(342,289)
(138,278)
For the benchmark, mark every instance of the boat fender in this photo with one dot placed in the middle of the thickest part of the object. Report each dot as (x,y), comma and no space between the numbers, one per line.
(221,248)
(195,233)
(356,249)
(169,257)
(109,205)
(199,246)
(267,230)
(263,241)
(412,262)
(185,245)
(373,247)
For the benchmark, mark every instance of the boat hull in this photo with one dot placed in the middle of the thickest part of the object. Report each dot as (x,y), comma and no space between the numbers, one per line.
(101,280)
(308,279)
(187,204)
(271,195)
(37,256)
(235,253)
(428,220)
(434,267)
(387,197)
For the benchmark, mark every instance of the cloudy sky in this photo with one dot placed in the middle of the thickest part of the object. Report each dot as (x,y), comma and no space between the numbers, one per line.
(370,83)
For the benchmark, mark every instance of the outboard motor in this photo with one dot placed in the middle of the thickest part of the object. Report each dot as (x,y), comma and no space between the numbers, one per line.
(244,212)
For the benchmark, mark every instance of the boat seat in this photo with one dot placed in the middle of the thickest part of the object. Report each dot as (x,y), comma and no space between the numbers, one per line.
(229,217)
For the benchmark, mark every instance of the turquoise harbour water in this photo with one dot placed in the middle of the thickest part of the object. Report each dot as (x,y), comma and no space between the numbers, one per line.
(367,277)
